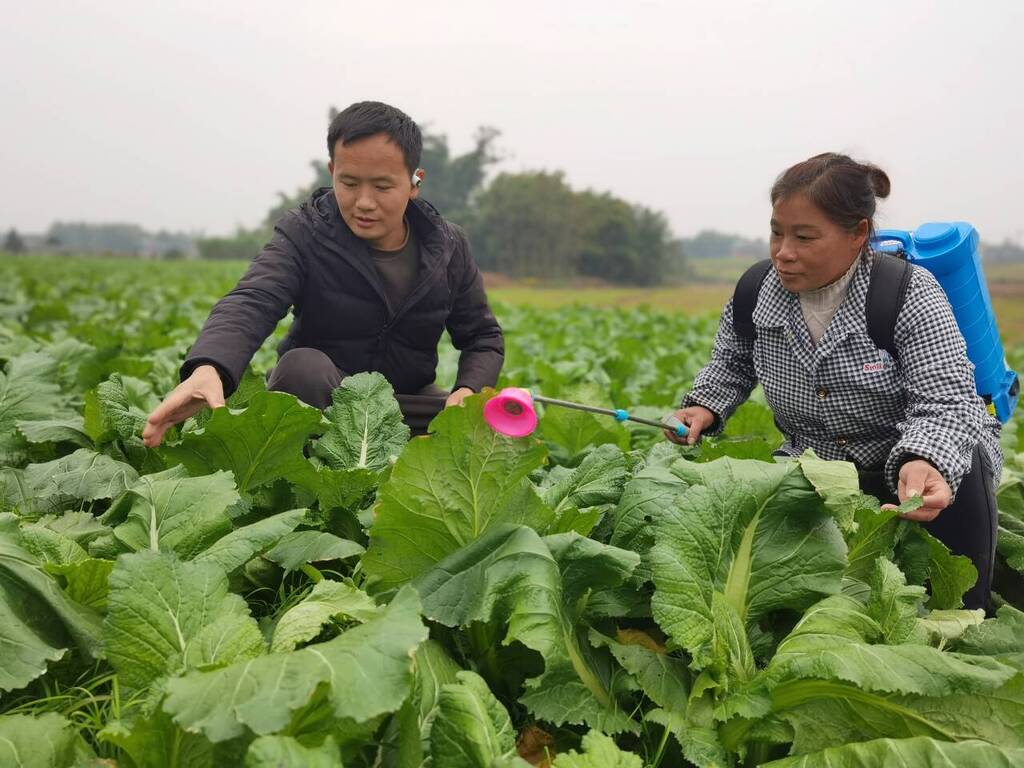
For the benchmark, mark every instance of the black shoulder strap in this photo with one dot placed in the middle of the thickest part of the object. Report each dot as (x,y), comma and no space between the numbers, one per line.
(890,278)
(744,299)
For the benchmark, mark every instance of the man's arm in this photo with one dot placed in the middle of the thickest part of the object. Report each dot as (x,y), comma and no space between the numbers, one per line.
(235,329)
(474,330)
(241,321)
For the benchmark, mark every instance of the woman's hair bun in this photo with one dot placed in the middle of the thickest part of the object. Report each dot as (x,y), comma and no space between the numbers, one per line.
(879,180)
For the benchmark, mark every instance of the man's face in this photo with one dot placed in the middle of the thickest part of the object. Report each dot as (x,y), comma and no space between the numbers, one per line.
(373,188)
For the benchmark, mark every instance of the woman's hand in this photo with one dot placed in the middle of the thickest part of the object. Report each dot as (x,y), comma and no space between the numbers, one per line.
(696,418)
(919,478)
(203,388)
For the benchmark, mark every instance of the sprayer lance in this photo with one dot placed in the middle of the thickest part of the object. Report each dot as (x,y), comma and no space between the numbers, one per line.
(619,414)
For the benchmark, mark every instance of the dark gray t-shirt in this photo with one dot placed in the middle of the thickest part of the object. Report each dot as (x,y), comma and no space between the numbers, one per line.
(397,269)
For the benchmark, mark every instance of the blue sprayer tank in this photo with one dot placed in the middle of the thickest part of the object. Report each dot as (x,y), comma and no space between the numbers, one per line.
(950,252)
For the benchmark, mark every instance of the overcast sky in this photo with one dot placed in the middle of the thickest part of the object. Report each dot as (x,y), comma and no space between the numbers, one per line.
(190,115)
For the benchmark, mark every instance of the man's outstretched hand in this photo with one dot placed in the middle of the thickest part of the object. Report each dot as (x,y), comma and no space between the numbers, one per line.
(203,388)
(919,478)
(456,397)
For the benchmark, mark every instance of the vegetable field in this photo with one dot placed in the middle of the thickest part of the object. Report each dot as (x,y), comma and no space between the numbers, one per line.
(274,586)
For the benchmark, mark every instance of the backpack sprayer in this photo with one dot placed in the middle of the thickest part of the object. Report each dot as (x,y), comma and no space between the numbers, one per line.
(950,253)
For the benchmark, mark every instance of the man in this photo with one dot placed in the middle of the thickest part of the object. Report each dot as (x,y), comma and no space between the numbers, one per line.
(374,275)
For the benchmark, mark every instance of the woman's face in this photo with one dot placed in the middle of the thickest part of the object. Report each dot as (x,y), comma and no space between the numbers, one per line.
(808,249)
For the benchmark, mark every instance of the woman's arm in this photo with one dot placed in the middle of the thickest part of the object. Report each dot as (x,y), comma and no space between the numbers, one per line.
(945,417)
(726,381)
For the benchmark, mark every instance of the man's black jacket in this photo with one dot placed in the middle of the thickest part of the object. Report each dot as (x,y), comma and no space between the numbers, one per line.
(315,263)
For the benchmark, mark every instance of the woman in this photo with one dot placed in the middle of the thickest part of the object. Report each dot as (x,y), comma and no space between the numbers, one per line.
(913,425)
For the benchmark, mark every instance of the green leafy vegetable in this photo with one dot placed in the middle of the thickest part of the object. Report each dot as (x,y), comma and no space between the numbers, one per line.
(450,488)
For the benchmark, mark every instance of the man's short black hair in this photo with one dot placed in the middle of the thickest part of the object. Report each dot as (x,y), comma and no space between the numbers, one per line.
(368,118)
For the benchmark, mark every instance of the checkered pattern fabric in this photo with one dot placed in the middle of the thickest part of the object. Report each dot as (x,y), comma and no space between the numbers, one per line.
(849,400)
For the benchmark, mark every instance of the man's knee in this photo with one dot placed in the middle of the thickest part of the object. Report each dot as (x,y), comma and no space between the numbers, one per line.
(308,374)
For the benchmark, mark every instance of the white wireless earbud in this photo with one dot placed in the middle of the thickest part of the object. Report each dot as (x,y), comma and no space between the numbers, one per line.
(417,178)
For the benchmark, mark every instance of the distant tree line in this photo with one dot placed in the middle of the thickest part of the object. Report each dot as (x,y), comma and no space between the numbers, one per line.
(1003,252)
(13,242)
(525,224)
(113,239)
(712,244)
(529,224)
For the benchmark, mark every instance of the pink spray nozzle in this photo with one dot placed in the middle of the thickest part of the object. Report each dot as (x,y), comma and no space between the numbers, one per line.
(511,412)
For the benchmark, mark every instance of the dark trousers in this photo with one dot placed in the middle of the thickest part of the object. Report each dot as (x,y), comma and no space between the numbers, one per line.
(310,375)
(969,526)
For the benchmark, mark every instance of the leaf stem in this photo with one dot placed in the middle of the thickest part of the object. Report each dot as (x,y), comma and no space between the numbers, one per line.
(661,747)
(482,641)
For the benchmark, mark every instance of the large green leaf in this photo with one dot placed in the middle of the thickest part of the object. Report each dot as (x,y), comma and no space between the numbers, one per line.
(340,488)
(84,475)
(664,679)
(156,742)
(646,497)
(597,481)
(407,739)
(258,445)
(119,409)
(296,549)
(838,484)
(172,512)
(834,682)
(537,588)
(166,615)
(87,582)
(450,488)
(261,694)
(15,495)
(472,729)
(1011,540)
(252,384)
(27,393)
(51,547)
(833,641)
(1010,500)
(327,600)
(875,536)
(756,534)
(38,622)
(366,429)
(66,430)
(943,627)
(599,751)
(1001,637)
(28,641)
(894,604)
(286,752)
(47,741)
(829,714)
(241,545)
(917,752)
(80,526)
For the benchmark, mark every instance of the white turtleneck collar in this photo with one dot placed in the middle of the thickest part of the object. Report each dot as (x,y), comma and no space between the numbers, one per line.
(819,306)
